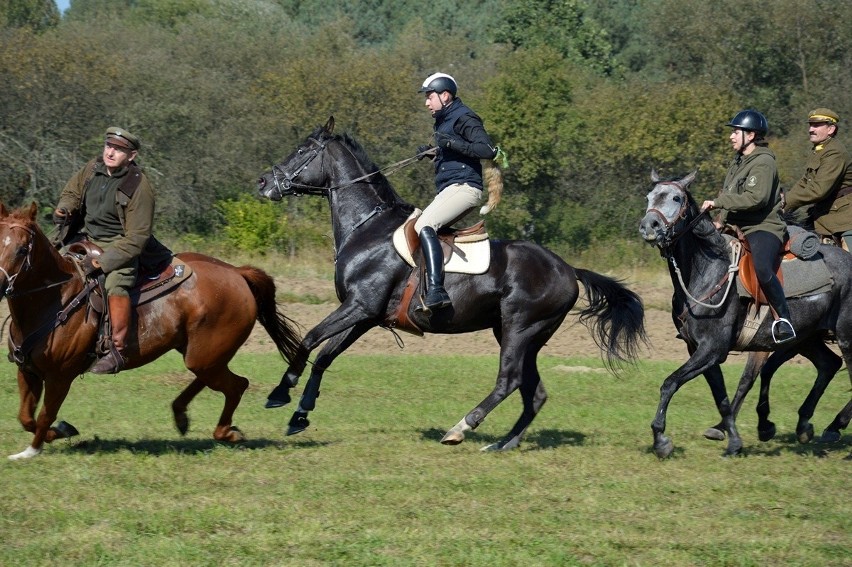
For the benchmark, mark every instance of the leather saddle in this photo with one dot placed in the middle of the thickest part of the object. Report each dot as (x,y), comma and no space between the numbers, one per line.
(466,250)
(150,284)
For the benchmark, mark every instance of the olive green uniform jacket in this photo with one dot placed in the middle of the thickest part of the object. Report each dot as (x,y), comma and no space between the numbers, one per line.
(751,195)
(124,230)
(828,171)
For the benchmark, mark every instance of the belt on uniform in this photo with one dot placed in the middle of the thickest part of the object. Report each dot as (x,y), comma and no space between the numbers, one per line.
(843,192)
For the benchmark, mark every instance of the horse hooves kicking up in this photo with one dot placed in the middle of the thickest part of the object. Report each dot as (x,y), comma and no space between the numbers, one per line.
(279,397)
(64,430)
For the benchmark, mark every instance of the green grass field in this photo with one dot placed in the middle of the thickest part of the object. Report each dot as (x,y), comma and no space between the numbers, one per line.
(370,484)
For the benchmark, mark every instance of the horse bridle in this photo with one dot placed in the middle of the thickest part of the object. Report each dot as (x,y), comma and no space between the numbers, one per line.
(288,182)
(10,279)
(670,236)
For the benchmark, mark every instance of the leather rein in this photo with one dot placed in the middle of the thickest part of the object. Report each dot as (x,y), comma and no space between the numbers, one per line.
(287,181)
(19,353)
(670,239)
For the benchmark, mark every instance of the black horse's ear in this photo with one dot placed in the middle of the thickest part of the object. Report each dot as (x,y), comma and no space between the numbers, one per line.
(329,126)
(654,176)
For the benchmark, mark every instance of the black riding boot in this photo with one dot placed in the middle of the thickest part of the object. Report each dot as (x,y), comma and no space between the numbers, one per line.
(436,295)
(782,328)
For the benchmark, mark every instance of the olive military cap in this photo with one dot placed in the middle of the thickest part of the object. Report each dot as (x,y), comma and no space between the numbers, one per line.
(121,137)
(823,115)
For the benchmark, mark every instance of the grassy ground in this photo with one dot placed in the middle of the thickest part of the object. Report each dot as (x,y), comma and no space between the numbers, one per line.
(370,484)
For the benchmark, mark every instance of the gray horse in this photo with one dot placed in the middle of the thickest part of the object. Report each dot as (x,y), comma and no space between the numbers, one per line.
(709,314)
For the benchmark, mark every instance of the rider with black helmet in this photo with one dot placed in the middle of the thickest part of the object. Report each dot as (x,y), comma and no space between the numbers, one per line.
(751,200)
(461,142)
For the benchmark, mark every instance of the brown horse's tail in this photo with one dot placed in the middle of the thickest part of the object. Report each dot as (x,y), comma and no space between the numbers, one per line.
(493,177)
(283,330)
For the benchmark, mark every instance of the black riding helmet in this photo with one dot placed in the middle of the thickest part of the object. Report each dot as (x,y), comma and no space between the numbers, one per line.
(750,120)
(439,82)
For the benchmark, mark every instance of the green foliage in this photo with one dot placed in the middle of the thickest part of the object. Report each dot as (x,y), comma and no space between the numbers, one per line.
(35,15)
(251,225)
(564,25)
(586,96)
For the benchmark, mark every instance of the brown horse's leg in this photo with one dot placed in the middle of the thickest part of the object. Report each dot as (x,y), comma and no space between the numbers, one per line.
(55,393)
(232,386)
(29,388)
(181,403)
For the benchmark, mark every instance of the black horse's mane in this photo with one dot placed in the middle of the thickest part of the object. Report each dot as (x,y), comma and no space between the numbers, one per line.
(385,189)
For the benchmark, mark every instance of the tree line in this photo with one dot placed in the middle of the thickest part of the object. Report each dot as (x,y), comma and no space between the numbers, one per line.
(585,97)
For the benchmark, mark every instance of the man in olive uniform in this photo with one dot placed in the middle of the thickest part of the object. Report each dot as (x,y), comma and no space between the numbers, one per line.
(824,193)
(114,204)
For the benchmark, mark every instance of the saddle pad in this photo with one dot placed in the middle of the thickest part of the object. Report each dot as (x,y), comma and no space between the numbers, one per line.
(157,284)
(801,278)
(469,258)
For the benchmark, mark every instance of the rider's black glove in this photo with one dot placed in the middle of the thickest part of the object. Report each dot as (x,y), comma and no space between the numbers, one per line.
(426,151)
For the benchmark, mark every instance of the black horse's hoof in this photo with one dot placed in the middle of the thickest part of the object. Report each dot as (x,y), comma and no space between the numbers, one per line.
(64,430)
(767,433)
(279,397)
(829,436)
(805,434)
(298,423)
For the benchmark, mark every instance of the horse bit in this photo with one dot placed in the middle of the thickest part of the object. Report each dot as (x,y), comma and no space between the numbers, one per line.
(10,279)
(670,238)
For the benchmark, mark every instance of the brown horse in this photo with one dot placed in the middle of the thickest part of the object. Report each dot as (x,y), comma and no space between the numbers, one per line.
(53,330)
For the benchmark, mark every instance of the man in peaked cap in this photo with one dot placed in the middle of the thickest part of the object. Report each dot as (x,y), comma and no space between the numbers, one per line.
(111,203)
(823,196)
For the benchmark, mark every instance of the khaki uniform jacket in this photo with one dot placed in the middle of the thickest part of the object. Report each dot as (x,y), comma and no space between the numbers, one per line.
(136,215)
(828,170)
(751,195)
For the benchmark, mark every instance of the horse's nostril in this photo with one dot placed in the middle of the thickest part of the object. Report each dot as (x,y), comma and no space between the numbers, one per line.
(261,183)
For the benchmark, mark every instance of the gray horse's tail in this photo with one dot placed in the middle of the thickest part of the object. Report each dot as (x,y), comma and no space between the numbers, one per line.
(615,316)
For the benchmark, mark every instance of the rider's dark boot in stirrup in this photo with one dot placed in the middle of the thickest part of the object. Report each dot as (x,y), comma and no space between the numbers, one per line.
(436,295)
(782,328)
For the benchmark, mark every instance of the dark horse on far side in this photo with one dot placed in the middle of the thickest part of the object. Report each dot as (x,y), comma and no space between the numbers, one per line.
(523,297)
(709,313)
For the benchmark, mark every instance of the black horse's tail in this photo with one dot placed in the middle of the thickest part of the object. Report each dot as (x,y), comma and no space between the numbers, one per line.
(618,327)
(281,328)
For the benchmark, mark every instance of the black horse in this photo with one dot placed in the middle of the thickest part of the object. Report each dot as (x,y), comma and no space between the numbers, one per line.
(709,314)
(523,297)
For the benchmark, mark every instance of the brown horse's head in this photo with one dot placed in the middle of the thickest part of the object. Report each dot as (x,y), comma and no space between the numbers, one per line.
(18,230)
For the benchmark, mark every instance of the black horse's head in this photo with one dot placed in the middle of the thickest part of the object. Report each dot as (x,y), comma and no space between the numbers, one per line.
(670,207)
(301,172)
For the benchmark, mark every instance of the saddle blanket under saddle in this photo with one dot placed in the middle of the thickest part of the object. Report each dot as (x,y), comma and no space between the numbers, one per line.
(463,254)
(801,278)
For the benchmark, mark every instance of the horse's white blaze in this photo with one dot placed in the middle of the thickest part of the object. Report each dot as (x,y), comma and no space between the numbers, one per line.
(7,241)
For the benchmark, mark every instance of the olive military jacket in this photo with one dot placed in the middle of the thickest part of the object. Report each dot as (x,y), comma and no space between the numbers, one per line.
(127,228)
(751,195)
(828,172)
